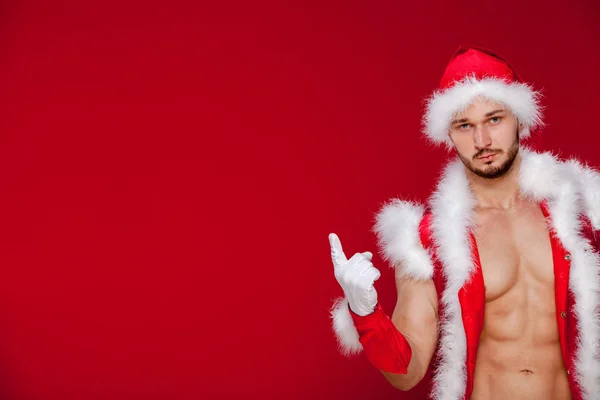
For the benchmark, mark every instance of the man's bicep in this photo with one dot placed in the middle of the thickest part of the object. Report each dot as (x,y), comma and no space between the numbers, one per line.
(416,316)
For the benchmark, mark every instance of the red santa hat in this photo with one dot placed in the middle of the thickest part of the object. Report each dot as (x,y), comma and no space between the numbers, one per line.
(477,73)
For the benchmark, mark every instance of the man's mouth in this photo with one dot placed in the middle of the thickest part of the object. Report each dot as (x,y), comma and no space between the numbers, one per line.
(486,157)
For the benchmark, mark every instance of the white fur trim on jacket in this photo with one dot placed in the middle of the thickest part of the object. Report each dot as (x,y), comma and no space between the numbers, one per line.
(397,230)
(344,329)
(452,205)
(588,180)
(443,105)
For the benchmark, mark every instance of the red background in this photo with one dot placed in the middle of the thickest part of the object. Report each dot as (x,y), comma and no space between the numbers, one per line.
(169,173)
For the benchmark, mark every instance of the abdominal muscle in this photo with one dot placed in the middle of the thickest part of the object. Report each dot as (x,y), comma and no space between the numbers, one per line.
(502,372)
(519,355)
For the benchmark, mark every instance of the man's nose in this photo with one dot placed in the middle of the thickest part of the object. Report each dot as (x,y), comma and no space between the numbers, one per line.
(482,138)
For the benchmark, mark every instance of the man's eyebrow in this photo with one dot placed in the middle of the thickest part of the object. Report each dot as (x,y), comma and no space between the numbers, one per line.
(495,112)
(459,121)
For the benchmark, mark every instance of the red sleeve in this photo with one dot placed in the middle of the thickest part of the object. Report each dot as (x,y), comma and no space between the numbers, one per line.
(385,347)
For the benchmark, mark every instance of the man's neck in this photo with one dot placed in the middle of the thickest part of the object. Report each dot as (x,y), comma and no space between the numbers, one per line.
(500,193)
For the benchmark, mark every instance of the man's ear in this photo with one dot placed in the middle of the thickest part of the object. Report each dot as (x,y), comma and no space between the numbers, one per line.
(450,147)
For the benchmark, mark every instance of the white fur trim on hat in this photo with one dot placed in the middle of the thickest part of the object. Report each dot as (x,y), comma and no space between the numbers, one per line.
(443,105)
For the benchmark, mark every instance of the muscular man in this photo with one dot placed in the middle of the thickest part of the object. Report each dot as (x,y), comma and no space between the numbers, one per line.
(497,278)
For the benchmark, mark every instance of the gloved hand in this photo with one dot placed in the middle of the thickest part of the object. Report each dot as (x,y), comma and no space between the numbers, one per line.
(356,277)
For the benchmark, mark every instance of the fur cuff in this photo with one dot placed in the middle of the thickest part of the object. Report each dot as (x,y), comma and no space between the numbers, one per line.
(344,329)
(397,230)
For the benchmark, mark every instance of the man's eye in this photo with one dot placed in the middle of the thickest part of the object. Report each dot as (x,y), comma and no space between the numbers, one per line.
(495,120)
(463,126)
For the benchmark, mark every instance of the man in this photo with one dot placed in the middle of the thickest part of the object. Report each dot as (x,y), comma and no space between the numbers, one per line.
(497,278)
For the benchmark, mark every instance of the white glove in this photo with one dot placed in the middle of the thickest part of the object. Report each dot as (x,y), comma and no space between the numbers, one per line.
(356,277)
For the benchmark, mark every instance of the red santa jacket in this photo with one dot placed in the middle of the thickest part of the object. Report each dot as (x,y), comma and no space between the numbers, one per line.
(439,245)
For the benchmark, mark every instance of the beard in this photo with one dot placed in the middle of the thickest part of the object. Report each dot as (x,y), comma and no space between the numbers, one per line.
(490,172)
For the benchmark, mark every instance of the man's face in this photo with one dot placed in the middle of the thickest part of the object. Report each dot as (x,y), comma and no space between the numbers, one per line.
(486,138)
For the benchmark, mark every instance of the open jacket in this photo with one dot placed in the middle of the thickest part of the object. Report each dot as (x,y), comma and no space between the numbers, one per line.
(436,242)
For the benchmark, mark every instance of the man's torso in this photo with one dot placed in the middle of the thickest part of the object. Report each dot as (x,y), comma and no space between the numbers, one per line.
(519,355)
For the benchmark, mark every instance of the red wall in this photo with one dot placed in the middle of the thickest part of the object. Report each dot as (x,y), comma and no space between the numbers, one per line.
(169,172)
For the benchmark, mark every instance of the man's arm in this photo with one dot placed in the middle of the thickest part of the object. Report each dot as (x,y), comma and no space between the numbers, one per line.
(416,316)
(400,347)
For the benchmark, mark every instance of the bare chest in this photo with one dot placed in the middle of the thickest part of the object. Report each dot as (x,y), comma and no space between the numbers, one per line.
(515,251)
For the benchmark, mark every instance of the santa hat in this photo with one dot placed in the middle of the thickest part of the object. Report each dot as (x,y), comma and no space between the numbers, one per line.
(477,73)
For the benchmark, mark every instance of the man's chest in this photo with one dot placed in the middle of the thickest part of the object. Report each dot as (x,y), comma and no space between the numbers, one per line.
(515,251)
